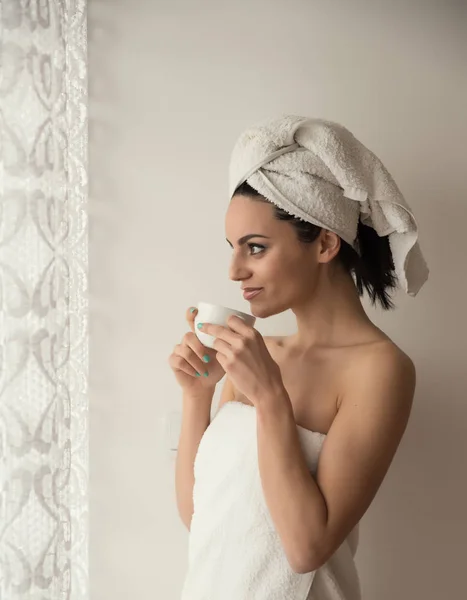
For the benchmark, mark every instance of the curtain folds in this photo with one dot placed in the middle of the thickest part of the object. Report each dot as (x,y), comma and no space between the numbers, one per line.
(43,300)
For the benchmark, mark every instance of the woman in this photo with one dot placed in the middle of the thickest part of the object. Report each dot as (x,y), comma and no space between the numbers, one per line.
(274,487)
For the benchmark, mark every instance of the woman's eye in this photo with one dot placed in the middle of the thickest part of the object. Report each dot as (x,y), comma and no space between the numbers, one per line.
(251,246)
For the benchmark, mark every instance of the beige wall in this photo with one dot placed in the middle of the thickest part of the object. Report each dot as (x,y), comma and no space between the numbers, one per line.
(172,84)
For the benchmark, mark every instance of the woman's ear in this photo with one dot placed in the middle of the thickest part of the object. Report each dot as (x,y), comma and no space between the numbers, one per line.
(329,244)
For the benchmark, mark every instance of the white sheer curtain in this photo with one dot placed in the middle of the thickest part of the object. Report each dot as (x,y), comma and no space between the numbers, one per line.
(43,300)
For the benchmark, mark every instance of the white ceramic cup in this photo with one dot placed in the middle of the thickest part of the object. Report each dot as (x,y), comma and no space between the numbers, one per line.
(214,313)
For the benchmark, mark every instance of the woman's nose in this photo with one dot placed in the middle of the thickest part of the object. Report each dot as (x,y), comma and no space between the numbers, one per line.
(237,270)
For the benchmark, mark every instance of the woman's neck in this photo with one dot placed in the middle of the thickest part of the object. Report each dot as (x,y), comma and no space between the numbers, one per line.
(332,315)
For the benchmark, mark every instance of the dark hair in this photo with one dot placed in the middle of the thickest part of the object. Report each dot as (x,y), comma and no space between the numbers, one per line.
(372,270)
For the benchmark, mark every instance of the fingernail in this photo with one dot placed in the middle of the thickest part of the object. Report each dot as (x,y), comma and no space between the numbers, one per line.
(206,358)
(192,309)
(199,325)
(205,373)
(197,374)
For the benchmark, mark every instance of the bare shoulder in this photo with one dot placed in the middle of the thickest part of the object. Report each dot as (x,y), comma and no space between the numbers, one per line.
(364,435)
(385,357)
(382,370)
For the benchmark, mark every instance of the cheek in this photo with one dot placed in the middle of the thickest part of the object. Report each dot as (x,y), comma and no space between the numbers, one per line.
(285,272)
(299,276)
(283,278)
(274,271)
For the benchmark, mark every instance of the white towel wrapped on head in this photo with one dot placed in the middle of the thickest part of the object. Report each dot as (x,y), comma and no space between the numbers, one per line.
(318,171)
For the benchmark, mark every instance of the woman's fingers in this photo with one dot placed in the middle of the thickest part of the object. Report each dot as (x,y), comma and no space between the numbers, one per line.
(190,317)
(191,359)
(198,349)
(178,363)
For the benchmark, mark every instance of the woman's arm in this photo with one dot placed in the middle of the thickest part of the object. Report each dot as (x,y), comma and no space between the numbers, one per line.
(195,420)
(313,517)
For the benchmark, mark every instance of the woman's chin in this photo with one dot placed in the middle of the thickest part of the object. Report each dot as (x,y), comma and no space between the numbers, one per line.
(262,312)
(256,311)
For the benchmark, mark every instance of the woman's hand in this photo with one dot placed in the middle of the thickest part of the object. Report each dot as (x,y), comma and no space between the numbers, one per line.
(195,367)
(242,353)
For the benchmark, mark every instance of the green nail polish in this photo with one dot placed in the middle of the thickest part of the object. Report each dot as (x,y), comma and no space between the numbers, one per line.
(197,374)
(199,325)
(205,373)
(206,358)
(192,310)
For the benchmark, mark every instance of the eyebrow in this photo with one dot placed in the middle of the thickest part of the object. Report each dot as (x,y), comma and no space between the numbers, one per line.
(245,238)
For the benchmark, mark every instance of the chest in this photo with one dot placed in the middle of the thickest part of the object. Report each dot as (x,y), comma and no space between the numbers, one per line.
(313,385)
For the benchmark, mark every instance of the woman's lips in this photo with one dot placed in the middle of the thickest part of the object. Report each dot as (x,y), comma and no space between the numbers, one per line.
(248,295)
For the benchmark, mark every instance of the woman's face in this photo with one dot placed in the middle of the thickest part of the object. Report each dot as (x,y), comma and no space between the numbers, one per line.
(285,268)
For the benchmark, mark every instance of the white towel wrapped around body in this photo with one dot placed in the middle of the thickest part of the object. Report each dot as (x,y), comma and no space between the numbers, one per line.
(235,552)
(318,171)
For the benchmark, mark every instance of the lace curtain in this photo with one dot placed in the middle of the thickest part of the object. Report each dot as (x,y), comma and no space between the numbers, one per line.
(43,300)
